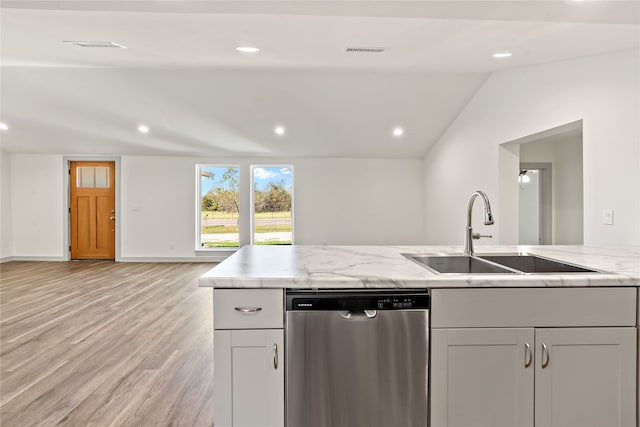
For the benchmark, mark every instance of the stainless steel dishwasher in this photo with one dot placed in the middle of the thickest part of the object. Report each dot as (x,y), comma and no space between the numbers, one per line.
(357,358)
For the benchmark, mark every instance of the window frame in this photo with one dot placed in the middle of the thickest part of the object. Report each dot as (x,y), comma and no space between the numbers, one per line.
(199,167)
(252,201)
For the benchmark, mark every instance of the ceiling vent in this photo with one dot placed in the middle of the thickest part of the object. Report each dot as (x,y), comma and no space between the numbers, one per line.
(94,44)
(360,49)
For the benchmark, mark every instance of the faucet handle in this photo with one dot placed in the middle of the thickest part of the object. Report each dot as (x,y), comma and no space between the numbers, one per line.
(477,236)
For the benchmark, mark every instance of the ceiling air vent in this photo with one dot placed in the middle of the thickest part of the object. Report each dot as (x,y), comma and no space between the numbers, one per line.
(94,44)
(359,49)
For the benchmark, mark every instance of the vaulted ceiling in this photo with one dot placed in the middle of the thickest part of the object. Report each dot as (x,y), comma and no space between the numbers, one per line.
(182,76)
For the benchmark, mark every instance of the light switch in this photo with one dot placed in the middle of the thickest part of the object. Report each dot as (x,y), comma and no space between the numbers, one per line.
(607,217)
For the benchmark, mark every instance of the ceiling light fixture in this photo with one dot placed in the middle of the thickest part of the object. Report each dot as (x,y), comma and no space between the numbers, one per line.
(247,49)
(3,126)
(398,131)
(143,129)
(502,54)
(279,130)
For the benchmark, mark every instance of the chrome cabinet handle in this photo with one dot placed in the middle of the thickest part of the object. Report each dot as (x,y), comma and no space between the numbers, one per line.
(275,356)
(528,356)
(248,309)
(545,353)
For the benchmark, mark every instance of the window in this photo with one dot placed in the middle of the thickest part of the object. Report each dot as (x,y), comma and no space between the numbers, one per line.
(219,206)
(272,194)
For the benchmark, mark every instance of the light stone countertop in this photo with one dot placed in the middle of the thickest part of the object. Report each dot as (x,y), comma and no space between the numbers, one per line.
(353,267)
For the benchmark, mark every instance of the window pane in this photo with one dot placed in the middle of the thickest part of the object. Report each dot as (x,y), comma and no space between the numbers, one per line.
(219,206)
(85,177)
(272,202)
(102,177)
(92,177)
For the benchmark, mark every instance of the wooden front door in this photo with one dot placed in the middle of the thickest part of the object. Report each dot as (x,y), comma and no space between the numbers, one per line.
(92,210)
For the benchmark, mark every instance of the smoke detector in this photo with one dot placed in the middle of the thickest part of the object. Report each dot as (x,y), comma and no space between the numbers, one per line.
(365,49)
(83,43)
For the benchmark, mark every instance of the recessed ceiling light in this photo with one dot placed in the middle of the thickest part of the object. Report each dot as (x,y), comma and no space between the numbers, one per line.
(143,129)
(502,54)
(85,43)
(3,126)
(247,49)
(279,130)
(398,131)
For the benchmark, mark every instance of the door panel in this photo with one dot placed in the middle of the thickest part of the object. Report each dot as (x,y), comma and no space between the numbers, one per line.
(588,379)
(92,210)
(482,377)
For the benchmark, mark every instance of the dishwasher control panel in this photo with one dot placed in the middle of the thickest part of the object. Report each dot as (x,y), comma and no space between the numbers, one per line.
(365,300)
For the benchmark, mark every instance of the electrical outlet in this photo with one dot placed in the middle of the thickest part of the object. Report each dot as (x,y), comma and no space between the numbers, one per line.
(607,217)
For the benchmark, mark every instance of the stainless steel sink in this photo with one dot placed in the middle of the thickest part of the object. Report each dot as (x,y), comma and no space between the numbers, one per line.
(495,264)
(457,264)
(534,264)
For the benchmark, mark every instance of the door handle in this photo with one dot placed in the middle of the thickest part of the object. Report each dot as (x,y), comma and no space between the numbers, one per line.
(528,356)
(275,356)
(353,315)
(112,217)
(545,354)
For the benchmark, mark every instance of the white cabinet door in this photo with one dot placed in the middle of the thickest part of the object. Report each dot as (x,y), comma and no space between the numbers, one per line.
(249,378)
(482,377)
(585,377)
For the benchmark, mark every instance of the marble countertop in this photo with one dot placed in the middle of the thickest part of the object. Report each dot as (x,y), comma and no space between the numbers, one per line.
(342,267)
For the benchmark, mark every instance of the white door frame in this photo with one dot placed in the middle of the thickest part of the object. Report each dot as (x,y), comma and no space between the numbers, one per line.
(66,226)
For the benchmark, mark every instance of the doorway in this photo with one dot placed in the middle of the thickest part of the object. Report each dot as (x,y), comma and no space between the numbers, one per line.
(92,210)
(535,204)
(559,218)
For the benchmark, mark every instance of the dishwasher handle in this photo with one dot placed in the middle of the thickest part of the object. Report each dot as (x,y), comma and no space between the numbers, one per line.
(358,314)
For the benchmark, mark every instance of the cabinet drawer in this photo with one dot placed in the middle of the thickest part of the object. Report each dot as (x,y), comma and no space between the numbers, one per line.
(531,307)
(247,308)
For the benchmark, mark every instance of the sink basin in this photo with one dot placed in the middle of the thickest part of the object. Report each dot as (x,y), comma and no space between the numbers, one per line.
(457,264)
(534,264)
(495,264)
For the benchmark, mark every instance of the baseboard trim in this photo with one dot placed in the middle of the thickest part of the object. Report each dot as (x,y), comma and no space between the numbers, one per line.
(215,258)
(34,258)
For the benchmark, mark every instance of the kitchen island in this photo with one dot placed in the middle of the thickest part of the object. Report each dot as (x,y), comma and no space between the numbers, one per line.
(311,267)
(506,349)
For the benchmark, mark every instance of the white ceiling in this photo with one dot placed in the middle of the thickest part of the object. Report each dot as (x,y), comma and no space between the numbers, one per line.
(183,78)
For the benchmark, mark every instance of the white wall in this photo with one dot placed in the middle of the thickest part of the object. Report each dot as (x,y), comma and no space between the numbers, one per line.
(36,203)
(380,202)
(602,91)
(5,206)
(565,155)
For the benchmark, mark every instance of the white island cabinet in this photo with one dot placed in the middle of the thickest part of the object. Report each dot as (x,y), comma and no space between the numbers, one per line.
(248,357)
(534,357)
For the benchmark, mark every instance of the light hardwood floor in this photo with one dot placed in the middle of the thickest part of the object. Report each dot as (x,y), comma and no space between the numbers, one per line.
(97,343)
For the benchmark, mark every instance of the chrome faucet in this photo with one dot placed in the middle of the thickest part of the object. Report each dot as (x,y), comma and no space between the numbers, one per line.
(488,220)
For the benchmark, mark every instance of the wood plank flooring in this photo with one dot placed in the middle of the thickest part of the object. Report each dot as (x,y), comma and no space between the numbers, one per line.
(98,343)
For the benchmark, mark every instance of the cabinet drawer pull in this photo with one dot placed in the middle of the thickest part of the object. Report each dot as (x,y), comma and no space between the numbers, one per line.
(275,356)
(545,354)
(248,309)
(528,356)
